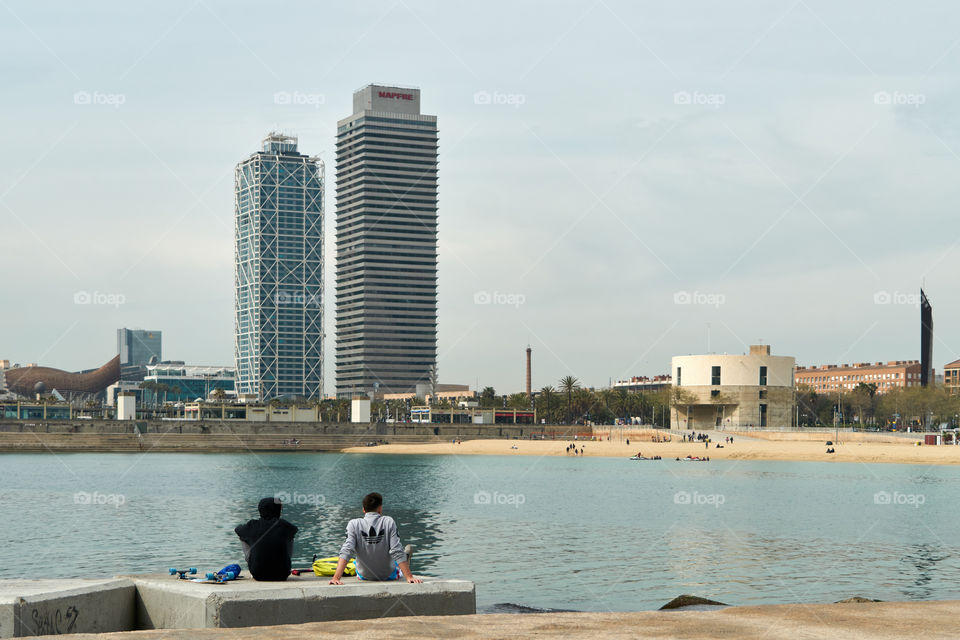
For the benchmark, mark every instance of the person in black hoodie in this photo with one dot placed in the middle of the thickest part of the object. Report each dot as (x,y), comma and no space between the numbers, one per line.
(268,542)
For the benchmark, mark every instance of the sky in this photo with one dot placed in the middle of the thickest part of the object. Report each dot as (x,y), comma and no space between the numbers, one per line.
(620,182)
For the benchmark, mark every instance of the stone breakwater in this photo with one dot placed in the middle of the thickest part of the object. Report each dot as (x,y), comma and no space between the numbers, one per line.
(220,436)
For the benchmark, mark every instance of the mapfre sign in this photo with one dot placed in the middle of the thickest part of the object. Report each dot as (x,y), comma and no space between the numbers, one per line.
(395,96)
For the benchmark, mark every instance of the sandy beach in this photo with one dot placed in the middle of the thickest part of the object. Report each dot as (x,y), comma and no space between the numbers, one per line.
(856,447)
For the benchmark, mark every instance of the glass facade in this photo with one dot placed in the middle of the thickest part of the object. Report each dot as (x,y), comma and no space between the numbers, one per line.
(137,347)
(278,346)
(185,384)
(34,412)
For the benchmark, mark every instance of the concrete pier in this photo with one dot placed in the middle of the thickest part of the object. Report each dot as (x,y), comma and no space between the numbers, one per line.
(53,607)
(163,602)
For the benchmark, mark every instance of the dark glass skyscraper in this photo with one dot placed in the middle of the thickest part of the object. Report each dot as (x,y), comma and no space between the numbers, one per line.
(279,272)
(926,340)
(138,347)
(386,243)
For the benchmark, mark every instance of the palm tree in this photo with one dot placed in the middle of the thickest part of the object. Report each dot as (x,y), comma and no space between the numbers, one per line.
(518,401)
(488,397)
(585,404)
(546,399)
(569,384)
(612,400)
(148,385)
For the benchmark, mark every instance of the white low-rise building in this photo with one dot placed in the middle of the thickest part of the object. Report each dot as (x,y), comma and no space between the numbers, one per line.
(126,406)
(733,391)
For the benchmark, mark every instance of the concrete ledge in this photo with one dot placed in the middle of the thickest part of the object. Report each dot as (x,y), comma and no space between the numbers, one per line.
(48,607)
(164,602)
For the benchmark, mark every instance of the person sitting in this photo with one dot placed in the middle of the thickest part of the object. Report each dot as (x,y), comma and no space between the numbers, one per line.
(268,542)
(374,541)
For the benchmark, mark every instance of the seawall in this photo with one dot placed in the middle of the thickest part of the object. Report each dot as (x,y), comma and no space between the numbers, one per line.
(226,436)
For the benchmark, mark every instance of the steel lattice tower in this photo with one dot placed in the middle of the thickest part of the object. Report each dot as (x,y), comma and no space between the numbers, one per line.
(279,272)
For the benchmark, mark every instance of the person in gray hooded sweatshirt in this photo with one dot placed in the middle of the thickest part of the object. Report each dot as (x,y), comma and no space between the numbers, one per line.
(374,541)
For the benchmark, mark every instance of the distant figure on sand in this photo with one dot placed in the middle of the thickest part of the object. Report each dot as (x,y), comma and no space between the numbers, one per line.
(268,542)
(375,542)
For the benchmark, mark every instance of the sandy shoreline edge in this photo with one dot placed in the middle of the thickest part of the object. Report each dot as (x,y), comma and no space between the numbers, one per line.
(856,447)
(863,621)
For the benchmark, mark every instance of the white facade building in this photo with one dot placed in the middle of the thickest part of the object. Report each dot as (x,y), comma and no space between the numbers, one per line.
(733,391)
(360,410)
(126,406)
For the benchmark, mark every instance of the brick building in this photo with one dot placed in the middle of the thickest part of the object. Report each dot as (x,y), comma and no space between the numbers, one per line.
(830,378)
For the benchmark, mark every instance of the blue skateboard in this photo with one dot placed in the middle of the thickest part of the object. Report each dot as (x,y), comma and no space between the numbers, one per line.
(228,573)
(183,572)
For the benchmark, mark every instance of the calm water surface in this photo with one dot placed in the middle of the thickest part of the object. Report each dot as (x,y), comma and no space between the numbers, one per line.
(571,533)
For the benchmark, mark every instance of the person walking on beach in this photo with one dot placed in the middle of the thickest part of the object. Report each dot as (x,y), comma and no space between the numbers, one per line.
(268,542)
(375,542)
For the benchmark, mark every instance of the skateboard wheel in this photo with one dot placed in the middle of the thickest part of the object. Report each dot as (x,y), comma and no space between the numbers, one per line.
(172,571)
(193,570)
(211,576)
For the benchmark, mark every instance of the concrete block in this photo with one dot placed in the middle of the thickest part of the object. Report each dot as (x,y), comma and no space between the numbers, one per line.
(48,607)
(164,602)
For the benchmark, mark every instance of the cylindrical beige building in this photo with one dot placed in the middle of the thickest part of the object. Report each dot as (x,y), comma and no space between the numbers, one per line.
(733,391)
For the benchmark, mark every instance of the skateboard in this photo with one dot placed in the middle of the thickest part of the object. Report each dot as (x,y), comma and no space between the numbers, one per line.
(229,572)
(297,572)
(217,578)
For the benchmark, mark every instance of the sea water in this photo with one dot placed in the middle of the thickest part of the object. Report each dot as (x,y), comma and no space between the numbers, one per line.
(587,534)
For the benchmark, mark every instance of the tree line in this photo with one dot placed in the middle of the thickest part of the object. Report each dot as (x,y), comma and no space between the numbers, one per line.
(898,408)
(568,402)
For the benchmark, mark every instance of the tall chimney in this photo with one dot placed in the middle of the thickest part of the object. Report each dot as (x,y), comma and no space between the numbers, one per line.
(529,390)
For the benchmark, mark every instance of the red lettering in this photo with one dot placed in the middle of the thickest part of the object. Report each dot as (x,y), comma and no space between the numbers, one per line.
(395,96)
